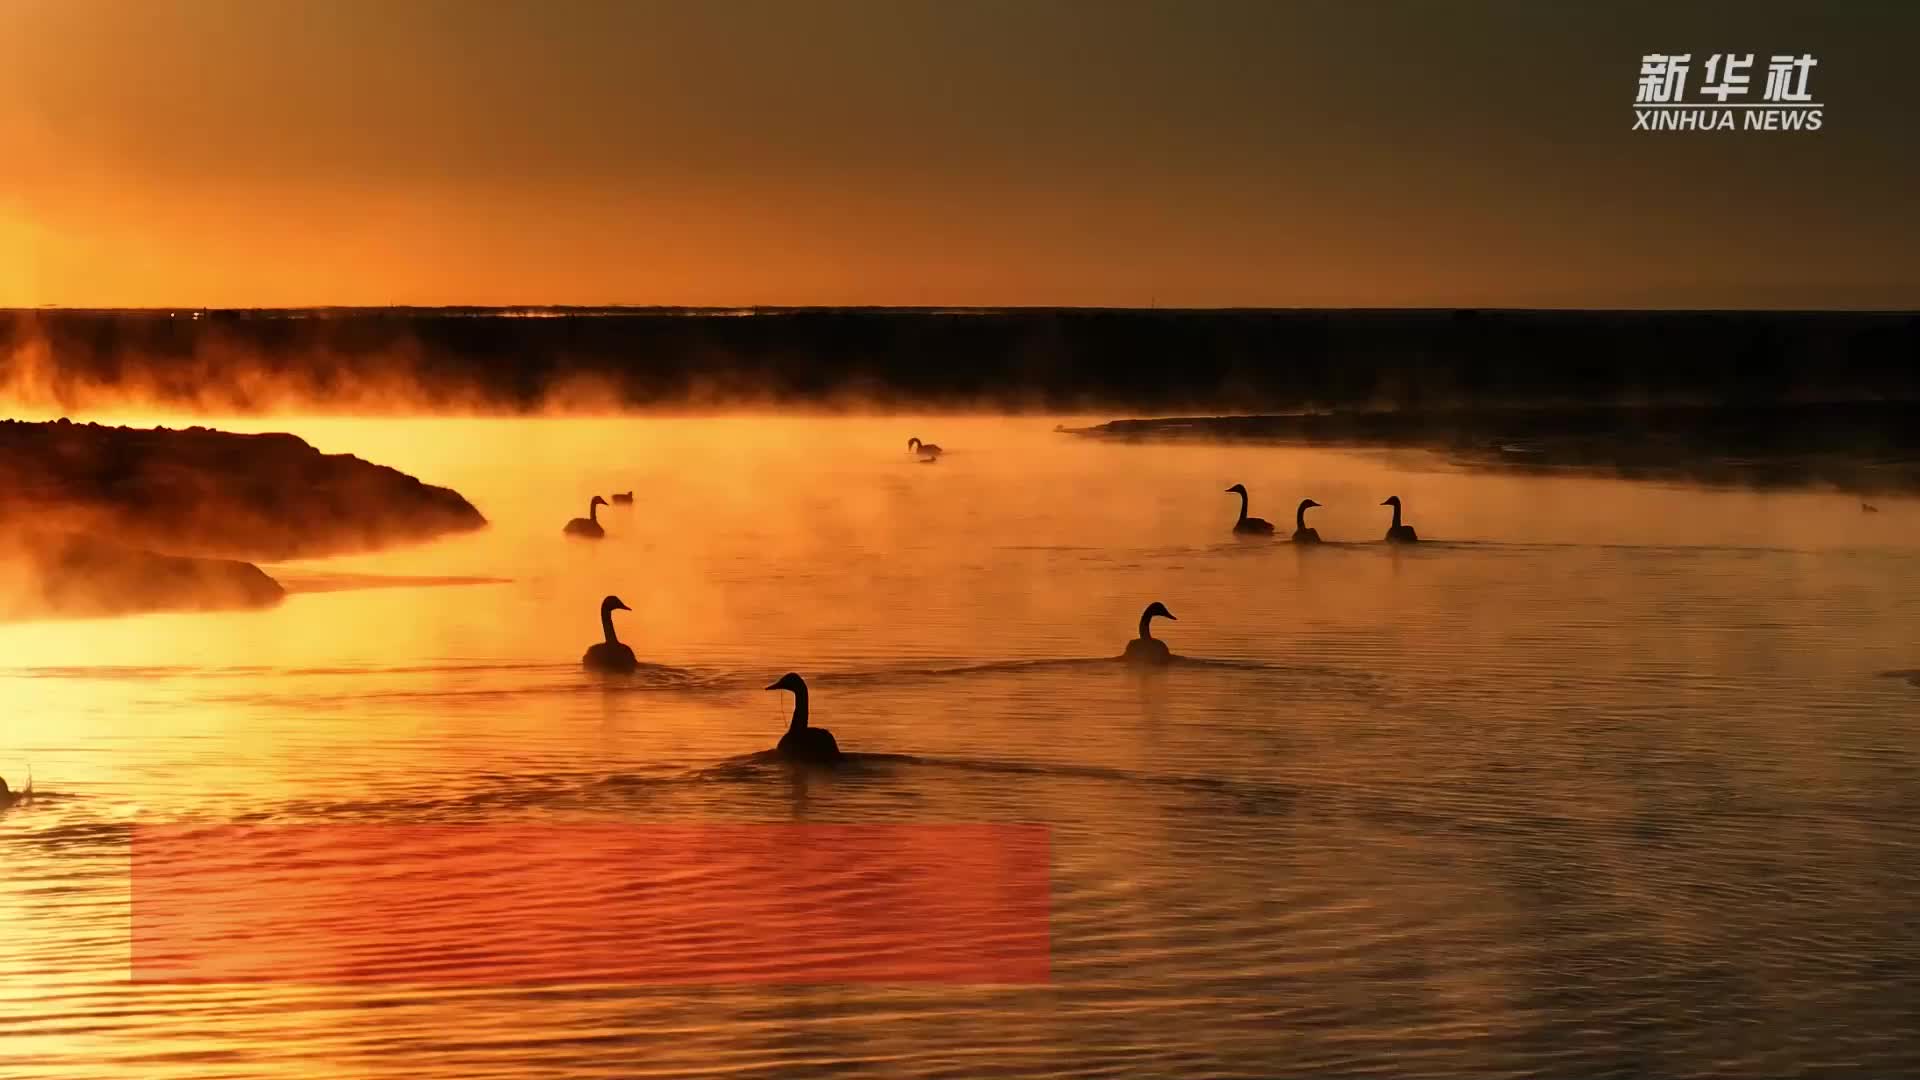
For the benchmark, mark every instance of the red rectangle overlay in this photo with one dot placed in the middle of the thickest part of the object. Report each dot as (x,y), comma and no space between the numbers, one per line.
(543,903)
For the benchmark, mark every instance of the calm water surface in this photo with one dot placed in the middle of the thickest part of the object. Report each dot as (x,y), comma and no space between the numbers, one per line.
(1607,779)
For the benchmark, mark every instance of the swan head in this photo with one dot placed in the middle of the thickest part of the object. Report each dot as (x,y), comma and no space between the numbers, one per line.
(1392,500)
(913,444)
(790,681)
(1308,504)
(1157,608)
(597,501)
(613,603)
(1237,489)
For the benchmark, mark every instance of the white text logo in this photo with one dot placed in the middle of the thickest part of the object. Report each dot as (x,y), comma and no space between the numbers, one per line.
(1661,101)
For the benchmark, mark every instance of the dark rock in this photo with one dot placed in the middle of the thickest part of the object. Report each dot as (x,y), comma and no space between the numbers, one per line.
(102,521)
(212,493)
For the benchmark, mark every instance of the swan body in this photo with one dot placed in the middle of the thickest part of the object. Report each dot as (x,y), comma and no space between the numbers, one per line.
(1248,526)
(1147,649)
(1398,533)
(611,655)
(1302,534)
(802,743)
(588,527)
(926,450)
(623,496)
(13,798)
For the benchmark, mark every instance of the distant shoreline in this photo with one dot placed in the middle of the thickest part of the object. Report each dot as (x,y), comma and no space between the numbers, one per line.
(1077,361)
(1864,448)
(510,310)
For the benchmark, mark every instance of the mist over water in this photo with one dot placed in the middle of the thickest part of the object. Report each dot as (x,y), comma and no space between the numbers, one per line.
(1600,779)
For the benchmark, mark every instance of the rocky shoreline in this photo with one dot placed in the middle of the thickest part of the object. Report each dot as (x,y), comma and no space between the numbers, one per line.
(109,520)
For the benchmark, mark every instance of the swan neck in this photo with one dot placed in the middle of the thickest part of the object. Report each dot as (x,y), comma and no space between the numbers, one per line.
(1243,505)
(593,513)
(799,710)
(1396,515)
(1146,626)
(606,625)
(1300,518)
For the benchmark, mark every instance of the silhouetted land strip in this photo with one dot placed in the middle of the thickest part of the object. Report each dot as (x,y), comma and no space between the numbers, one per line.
(64,574)
(1057,359)
(1853,446)
(89,510)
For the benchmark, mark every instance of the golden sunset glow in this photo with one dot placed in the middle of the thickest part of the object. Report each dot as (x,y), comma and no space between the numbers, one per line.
(226,153)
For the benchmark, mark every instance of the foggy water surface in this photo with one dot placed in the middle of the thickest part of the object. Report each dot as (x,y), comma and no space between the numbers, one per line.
(1603,779)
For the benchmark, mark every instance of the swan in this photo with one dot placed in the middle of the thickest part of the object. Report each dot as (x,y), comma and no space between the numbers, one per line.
(610,655)
(924,449)
(1869,508)
(623,496)
(1398,533)
(1302,534)
(803,743)
(1249,526)
(1147,649)
(589,526)
(11,798)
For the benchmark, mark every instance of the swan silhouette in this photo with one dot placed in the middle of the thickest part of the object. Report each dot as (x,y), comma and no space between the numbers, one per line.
(588,527)
(1248,526)
(803,743)
(1398,533)
(1147,649)
(1869,508)
(1302,534)
(623,496)
(926,450)
(611,655)
(16,798)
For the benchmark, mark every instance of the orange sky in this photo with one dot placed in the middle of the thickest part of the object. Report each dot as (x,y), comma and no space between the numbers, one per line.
(242,153)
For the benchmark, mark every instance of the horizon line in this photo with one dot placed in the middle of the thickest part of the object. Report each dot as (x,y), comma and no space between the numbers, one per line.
(926,309)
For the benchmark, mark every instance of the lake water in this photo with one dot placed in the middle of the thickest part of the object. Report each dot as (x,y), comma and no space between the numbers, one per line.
(1602,779)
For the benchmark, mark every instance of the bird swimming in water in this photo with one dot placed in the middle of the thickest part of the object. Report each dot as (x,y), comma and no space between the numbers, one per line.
(14,798)
(803,743)
(1147,649)
(1249,526)
(1869,508)
(623,496)
(1302,534)
(925,450)
(588,527)
(611,655)
(1396,532)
